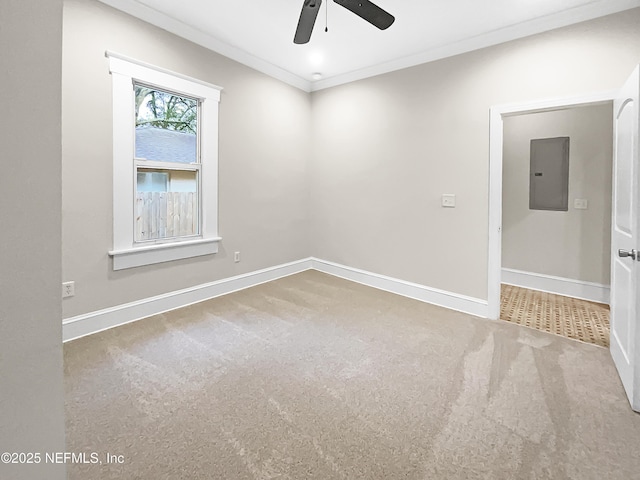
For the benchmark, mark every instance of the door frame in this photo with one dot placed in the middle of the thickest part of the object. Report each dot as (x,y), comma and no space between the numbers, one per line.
(496,131)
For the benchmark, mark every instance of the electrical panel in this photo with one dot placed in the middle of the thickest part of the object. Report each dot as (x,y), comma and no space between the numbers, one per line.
(549,174)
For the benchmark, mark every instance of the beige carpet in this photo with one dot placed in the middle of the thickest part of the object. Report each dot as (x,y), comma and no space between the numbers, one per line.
(314,377)
(566,316)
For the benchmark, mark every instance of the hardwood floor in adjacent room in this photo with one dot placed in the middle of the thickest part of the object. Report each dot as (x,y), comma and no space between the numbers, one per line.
(570,317)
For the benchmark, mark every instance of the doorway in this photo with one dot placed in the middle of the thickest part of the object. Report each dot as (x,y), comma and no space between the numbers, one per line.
(556,249)
(498,115)
(625,246)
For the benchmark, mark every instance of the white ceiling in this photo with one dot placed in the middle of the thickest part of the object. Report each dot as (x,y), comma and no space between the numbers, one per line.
(260,33)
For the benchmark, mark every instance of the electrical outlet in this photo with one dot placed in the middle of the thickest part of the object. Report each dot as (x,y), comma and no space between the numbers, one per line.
(448,200)
(580,203)
(68,289)
(236,257)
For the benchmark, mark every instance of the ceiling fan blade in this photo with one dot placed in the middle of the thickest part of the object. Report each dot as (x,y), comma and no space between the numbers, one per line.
(369,12)
(307,20)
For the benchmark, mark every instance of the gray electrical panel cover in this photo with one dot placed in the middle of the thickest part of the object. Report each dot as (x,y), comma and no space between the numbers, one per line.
(549,174)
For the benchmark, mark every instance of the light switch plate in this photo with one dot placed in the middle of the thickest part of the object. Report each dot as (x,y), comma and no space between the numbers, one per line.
(580,203)
(448,200)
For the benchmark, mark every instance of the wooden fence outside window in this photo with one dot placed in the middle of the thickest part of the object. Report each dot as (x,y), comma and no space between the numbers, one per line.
(166,215)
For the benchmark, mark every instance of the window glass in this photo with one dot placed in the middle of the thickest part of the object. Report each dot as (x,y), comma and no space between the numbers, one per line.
(149,181)
(166,204)
(166,126)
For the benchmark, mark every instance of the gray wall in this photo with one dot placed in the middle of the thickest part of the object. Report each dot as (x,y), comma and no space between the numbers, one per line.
(387,147)
(574,244)
(363,189)
(264,150)
(31,393)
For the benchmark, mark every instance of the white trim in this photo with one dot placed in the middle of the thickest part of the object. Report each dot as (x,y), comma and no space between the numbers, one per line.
(163,252)
(565,18)
(496,37)
(127,65)
(494,256)
(442,298)
(198,37)
(495,178)
(568,287)
(538,25)
(94,322)
(126,252)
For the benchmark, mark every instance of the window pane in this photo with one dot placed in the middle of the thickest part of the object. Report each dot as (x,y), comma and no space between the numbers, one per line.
(166,126)
(166,204)
(152,181)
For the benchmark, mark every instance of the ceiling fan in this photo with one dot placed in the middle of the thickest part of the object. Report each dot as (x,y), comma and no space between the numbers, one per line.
(366,10)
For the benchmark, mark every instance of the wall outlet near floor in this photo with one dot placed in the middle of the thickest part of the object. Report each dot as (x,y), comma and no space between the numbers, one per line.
(448,200)
(68,289)
(236,257)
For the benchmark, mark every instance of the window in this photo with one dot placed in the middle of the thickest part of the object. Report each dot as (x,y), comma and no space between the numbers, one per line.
(167,163)
(165,145)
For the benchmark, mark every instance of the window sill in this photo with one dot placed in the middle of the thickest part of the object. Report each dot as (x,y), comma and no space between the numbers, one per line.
(164,252)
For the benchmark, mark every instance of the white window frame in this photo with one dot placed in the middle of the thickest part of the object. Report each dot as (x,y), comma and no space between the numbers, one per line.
(126,252)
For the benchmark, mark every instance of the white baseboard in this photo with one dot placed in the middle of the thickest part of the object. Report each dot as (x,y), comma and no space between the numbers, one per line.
(594,292)
(94,322)
(442,298)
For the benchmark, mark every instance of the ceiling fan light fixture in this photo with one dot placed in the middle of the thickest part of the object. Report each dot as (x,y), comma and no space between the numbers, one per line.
(369,11)
(365,9)
(307,20)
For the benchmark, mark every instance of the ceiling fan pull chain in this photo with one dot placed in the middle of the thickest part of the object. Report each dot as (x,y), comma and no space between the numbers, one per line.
(326,17)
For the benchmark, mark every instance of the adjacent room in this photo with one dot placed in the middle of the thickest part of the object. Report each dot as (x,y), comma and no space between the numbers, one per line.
(288,262)
(556,239)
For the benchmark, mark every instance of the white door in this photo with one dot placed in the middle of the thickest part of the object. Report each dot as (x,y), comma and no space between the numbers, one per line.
(625,260)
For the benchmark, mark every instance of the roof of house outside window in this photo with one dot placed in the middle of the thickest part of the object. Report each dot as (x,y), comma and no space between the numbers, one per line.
(158,144)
